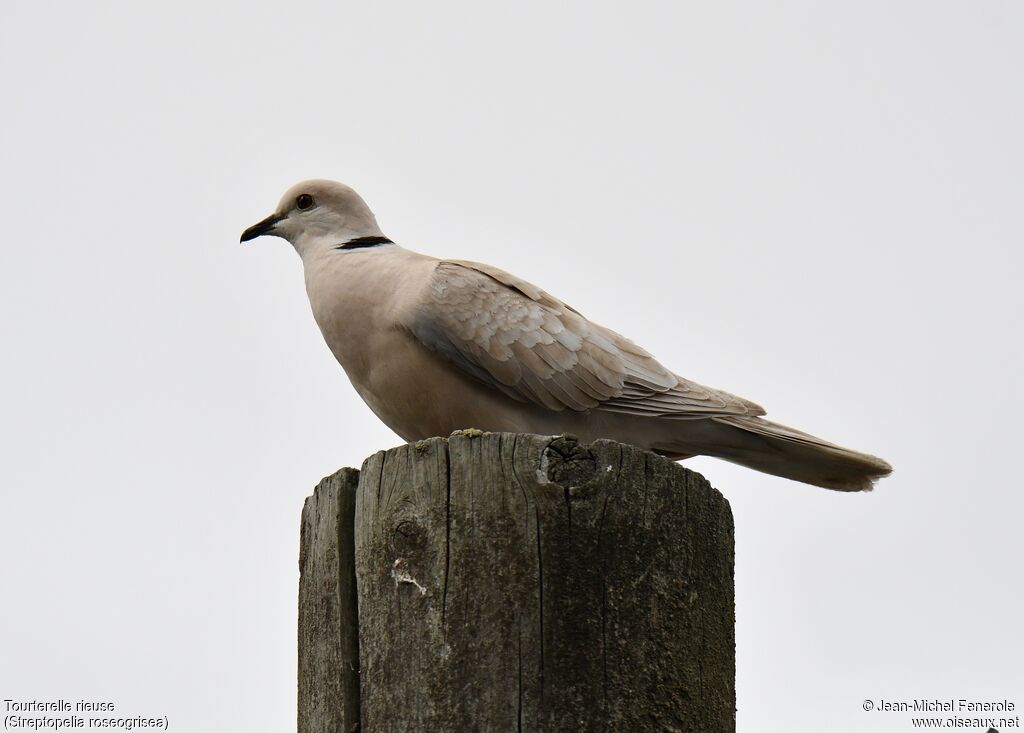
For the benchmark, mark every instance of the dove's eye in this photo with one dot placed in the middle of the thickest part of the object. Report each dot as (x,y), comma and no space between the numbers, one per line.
(304,201)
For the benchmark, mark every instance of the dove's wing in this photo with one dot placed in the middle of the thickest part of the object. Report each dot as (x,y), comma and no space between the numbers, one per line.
(514,337)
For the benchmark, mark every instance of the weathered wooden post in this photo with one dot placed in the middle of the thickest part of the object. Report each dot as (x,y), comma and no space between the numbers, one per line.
(516,583)
(328,630)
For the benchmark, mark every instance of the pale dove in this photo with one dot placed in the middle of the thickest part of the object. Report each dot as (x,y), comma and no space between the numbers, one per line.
(434,346)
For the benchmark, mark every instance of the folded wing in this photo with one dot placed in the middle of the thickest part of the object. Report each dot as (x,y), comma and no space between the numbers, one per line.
(516,338)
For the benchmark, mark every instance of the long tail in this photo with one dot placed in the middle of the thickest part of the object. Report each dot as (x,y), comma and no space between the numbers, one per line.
(783,451)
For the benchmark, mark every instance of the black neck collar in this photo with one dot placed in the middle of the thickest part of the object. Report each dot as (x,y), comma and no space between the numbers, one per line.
(360,242)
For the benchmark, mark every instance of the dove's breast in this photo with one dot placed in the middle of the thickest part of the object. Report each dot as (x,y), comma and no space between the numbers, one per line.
(359,301)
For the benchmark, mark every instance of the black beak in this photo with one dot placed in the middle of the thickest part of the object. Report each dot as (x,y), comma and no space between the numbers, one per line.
(264,227)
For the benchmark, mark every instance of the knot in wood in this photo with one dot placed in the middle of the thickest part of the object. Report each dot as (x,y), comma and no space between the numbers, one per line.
(408,538)
(568,463)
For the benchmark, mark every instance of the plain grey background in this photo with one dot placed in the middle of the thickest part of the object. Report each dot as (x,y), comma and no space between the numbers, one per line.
(814,205)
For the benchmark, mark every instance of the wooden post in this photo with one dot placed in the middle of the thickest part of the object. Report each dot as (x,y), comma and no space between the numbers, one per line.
(527,583)
(328,629)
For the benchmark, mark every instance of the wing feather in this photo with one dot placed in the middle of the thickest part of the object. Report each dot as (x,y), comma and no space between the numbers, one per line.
(517,338)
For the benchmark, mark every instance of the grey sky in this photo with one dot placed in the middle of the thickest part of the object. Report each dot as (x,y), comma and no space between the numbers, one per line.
(813,205)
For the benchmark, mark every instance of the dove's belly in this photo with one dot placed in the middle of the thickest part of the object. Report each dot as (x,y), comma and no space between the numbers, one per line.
(418,395)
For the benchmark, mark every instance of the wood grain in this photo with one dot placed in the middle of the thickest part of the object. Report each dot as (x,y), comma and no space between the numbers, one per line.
(520,582)
(328,690)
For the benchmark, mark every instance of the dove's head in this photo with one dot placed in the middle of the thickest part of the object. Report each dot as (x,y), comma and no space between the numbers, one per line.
(320,214)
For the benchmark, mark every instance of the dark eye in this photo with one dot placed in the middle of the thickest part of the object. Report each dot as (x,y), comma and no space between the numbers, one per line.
(304,201)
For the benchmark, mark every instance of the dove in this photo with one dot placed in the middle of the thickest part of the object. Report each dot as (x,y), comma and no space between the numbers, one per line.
(434,346)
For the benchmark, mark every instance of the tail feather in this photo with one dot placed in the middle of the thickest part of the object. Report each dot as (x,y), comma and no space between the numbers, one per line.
(783,451)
